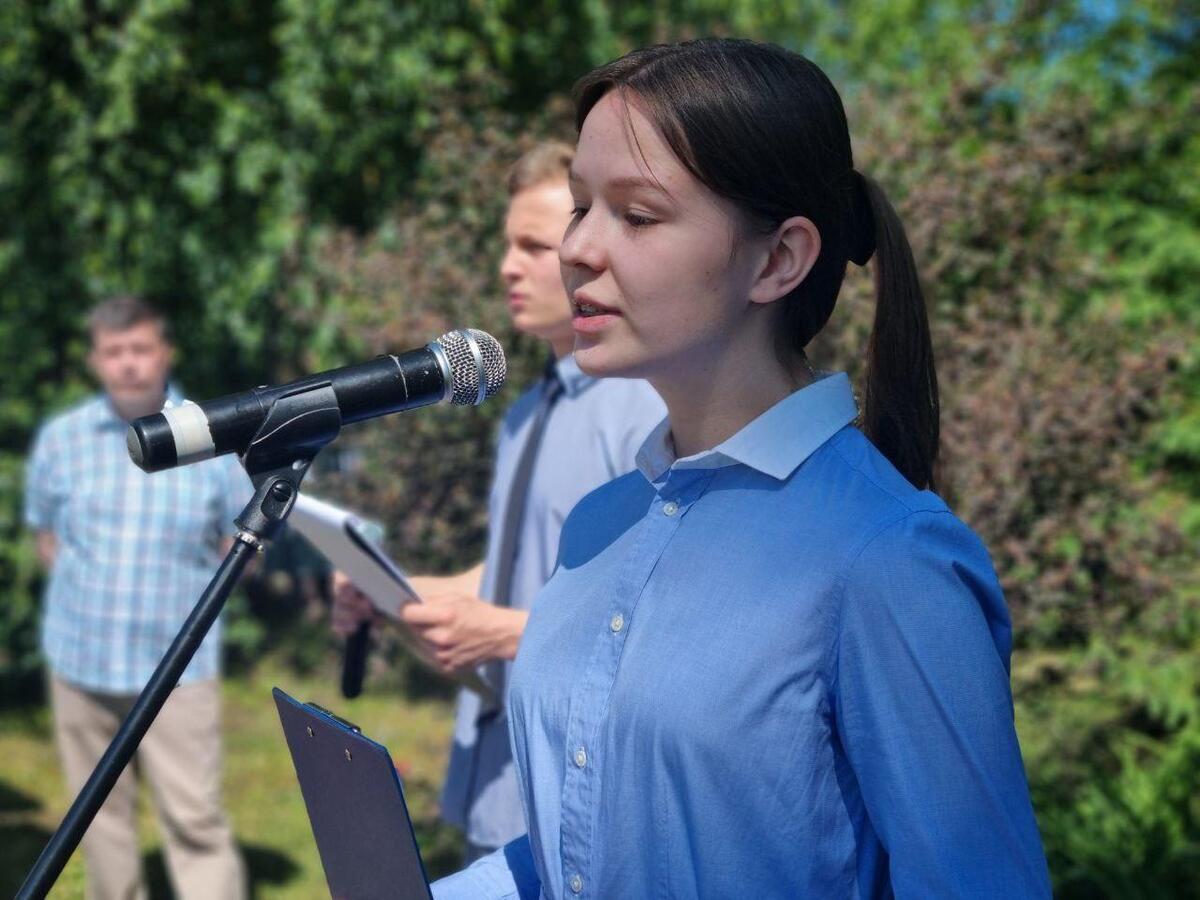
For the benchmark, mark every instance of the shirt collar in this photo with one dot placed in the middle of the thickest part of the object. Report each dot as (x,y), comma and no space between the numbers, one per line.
(775,443)
(108,417)
(572,377)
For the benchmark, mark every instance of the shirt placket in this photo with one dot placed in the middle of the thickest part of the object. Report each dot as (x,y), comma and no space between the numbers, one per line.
(583,782)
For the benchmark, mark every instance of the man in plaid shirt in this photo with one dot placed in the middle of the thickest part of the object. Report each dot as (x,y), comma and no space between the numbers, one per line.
(129,555)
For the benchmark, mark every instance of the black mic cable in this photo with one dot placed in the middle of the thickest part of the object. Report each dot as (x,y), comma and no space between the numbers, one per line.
(354,663)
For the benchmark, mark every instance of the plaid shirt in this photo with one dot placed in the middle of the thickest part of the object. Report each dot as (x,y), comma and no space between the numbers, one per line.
(134,551)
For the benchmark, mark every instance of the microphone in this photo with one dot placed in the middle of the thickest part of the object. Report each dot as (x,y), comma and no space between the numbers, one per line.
(464,367)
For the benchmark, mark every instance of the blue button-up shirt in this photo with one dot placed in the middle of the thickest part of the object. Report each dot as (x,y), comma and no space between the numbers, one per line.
(773,669)
(591,436)
(134,551)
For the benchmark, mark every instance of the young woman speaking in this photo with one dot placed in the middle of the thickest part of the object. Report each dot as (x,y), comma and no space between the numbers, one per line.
(771,663)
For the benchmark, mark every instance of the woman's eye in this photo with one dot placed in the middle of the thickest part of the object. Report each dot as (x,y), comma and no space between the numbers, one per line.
(578,213)
(637,221)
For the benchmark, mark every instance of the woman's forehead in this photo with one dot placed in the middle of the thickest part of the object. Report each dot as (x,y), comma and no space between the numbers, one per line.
(619,146)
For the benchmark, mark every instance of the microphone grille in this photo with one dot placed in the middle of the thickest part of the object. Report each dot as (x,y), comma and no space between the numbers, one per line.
(477,365)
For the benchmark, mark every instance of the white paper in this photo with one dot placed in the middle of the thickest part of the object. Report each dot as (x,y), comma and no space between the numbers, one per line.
(342,537)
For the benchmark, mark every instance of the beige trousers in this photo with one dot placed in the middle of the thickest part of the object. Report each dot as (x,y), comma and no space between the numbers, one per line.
(180,758)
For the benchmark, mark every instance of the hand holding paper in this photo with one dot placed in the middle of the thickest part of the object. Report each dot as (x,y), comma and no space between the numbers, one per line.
(351,607)
(461,631)
(458,631)
(367,580)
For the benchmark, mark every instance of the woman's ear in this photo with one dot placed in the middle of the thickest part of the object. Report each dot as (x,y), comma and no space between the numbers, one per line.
(791,253)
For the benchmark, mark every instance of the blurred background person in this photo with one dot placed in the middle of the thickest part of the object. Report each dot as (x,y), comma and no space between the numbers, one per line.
(129,555)
(564,436)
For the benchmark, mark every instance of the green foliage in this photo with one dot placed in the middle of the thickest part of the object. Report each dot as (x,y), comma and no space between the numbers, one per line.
(1111,736)
(301,183)
(20,665)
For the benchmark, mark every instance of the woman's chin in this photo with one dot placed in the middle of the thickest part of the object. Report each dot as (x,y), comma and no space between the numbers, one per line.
(598,361)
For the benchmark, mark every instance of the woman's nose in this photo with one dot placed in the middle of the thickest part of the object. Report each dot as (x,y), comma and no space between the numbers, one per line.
(581,245)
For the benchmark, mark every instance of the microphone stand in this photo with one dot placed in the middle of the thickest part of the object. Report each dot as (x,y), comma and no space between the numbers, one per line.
(297,427)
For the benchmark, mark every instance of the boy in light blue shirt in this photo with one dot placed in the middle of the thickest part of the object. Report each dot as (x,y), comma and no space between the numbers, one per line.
(566,435)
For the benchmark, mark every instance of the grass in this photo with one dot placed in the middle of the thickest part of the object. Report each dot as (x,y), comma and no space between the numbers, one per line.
(261,794)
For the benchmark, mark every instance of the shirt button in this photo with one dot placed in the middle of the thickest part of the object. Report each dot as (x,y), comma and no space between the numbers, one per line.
(580,757)
(670,508)
(617,623)
(576,884)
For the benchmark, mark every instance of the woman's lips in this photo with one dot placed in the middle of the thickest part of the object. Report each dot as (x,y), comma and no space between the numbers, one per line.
(590,317)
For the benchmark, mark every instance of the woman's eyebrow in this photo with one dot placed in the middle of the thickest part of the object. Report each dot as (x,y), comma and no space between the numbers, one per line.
(627,182)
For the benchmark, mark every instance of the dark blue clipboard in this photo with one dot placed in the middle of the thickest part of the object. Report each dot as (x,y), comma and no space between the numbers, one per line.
(355,805)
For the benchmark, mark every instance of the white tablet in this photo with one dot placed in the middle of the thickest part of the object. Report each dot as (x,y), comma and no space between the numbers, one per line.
(345,541)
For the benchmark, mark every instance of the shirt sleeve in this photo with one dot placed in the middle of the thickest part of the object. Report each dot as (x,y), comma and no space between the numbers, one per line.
(41,499)
(507,874)
(924,712)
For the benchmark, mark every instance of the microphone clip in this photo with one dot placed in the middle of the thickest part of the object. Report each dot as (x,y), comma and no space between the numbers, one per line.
(297,427)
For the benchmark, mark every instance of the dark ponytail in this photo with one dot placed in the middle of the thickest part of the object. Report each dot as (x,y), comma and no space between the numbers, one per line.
(765,129)
(901,408)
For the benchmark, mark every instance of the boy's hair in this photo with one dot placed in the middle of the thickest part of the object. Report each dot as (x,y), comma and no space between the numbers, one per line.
(547,161)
